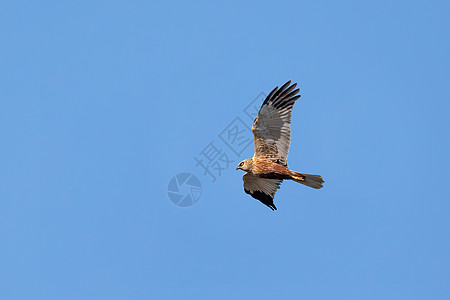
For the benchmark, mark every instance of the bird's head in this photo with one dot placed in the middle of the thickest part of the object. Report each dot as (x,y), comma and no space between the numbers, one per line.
(244,165)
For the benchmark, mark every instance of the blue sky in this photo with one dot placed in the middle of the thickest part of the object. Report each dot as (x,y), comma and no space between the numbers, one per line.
(104,102)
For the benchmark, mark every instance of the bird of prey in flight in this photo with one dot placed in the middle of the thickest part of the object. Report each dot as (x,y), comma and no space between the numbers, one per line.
(272,134)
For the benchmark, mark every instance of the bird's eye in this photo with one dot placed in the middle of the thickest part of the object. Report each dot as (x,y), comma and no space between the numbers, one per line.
(241,164)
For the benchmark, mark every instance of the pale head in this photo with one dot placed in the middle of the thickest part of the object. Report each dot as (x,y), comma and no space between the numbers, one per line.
(244,165)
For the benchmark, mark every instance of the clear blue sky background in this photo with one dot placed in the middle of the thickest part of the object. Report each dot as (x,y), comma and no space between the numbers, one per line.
(103,102)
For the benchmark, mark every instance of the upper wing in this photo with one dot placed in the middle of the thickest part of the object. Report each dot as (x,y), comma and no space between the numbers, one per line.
(263,189)
(271,128)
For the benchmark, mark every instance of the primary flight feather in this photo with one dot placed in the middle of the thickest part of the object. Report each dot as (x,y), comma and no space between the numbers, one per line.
(272,134)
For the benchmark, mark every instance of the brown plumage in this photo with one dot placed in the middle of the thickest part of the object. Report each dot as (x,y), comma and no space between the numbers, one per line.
(272,134)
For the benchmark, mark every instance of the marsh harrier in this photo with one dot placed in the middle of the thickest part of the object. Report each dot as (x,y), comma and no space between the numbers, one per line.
(272,134)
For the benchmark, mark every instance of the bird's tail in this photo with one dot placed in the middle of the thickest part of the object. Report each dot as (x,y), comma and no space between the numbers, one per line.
(314,181)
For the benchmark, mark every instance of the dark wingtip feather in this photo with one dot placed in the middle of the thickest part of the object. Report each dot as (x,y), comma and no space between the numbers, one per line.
(264,198)
(282,88)
(293,93)
(288,83)
(295,98)
(282,97)
(270,95)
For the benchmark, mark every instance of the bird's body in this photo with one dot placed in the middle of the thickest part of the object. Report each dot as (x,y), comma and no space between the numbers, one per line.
(272,134)
(265,168)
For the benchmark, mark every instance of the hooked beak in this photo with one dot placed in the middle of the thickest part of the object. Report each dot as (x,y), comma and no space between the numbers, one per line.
(237,168)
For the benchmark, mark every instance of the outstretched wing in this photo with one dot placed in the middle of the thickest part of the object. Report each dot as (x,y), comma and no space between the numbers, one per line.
(272,126)
(263,189)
